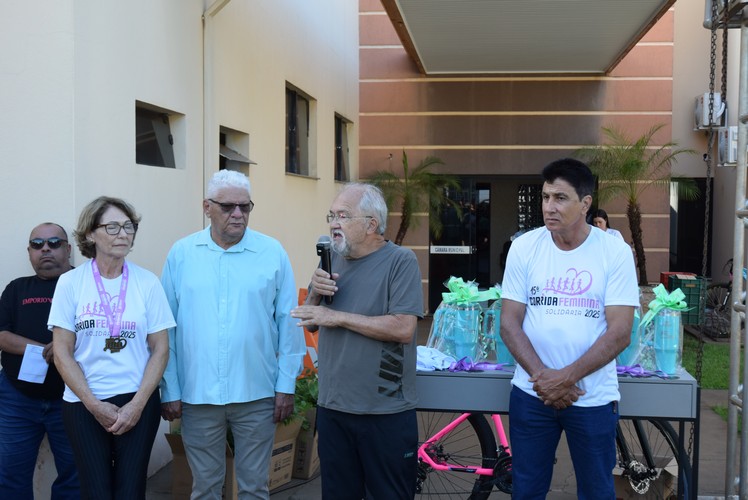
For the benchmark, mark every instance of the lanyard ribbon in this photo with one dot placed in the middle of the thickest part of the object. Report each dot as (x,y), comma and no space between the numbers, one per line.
(114,318)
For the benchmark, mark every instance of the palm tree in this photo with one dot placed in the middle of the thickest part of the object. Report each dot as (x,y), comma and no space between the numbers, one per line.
(417,190)
(628,168)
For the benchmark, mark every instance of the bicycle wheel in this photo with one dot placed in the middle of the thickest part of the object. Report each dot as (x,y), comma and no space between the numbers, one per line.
(471,443)
(650,456)
(717,311)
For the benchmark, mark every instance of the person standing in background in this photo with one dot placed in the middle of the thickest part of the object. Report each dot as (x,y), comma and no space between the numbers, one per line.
(600,220)
(28,410)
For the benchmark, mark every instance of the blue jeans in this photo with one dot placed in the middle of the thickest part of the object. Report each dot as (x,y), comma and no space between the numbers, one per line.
(535,430)
(23,423)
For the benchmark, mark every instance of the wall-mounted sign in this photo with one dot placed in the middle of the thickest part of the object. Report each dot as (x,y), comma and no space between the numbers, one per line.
(455,250)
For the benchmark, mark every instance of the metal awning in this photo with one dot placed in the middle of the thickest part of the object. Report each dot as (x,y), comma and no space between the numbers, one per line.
(485,37)
(232,155)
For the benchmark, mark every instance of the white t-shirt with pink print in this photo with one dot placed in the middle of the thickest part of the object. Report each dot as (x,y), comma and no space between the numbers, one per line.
(77,307)
(565,294)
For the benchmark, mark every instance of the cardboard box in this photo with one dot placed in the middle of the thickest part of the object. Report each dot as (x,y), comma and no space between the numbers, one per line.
(665,486)
(281,463)
(282,458)
(306,460)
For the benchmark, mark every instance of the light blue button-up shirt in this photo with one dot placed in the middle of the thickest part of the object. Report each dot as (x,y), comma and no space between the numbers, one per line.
(235,340)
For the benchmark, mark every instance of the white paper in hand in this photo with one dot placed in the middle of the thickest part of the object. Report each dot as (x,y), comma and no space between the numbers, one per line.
(33,367)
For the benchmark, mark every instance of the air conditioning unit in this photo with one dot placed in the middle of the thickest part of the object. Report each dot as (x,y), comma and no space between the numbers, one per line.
(701,111)
(727,146)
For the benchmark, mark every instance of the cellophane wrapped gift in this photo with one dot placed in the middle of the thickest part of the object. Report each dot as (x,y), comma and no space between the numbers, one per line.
(456,328)
(661,333)
(492,348)
(668,341)
(628,355)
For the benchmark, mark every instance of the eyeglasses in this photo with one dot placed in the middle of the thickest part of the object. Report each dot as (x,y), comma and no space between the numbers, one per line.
(228,208)
(53,243)
(114,228)
(344,217)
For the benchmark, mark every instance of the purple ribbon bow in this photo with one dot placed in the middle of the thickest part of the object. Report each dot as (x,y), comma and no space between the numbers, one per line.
(467,365)
(638,371)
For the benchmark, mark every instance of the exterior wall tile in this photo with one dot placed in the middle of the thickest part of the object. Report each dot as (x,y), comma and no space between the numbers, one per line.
(377,30)
(662,31)
(518,96)
(649,60)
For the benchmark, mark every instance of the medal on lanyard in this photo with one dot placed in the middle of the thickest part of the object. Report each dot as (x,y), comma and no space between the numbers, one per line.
(114,343)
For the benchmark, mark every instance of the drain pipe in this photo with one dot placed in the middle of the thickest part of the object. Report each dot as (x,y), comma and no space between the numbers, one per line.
(708,21)
(210,144)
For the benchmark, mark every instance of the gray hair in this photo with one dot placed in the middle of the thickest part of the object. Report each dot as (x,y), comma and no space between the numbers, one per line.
(227,178)
(371,203)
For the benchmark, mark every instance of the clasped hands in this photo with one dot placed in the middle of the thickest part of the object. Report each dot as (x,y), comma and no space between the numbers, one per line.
(555,389)
(115,419)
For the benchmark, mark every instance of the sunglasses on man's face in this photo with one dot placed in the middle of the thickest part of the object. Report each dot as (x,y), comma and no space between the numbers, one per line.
(52,243)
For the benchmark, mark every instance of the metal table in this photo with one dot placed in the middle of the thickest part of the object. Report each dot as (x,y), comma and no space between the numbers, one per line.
(674,399)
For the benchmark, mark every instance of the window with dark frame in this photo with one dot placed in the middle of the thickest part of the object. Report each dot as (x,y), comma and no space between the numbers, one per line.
(221,158)
(529,206)
(154,143)
(341,149)
(297,132)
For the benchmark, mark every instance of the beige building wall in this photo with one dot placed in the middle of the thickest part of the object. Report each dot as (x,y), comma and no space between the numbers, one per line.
(71,72)
(37,140)
(691,54)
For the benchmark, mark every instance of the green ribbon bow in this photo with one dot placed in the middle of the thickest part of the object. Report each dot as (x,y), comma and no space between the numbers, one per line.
(461,292)
(664,300)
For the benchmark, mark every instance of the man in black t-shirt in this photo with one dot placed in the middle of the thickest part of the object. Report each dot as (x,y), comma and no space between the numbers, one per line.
(30,410)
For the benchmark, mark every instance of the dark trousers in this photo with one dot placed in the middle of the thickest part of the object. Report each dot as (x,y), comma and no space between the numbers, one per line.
(112,467)
(367,456)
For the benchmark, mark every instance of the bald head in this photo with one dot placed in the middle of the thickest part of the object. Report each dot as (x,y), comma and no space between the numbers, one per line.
(49,250)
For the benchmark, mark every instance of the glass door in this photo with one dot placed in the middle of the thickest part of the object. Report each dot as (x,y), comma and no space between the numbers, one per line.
(463,248)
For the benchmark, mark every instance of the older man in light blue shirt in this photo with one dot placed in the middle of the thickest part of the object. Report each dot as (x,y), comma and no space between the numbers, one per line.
(236,352)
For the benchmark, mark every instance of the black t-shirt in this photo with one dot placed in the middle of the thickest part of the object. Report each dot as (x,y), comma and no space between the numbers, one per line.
(24,310)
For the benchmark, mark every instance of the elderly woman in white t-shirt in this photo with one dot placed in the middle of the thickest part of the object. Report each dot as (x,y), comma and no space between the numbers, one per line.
(109,319)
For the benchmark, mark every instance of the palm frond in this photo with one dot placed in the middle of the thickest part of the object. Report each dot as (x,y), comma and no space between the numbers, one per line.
(627,167)
(417,190)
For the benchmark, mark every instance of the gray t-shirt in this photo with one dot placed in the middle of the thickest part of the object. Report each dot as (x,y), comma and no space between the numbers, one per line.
(358,374)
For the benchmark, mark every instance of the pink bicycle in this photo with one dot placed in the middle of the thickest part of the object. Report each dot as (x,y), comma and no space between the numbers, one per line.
(459,456)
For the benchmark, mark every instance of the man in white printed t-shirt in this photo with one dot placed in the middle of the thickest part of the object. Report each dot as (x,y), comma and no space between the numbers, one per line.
(569,294)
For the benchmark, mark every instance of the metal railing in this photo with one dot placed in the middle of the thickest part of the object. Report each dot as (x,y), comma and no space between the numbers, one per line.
(734,14)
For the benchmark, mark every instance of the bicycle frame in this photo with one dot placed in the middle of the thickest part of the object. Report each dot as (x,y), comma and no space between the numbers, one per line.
(483,471)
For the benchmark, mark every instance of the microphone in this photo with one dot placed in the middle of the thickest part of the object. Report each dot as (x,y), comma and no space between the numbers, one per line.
(325,261)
